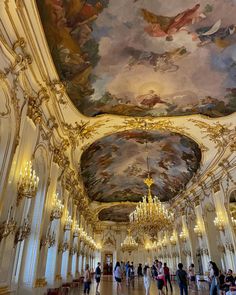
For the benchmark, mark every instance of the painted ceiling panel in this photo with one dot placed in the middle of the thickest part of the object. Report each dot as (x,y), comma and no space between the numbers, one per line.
(118,213)
(114,167)
(136,57)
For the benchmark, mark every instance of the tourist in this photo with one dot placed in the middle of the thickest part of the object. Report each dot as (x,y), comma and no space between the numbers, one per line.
(118,276)
(160,278)
(127,273)
(122,266)
(222,283)
(87,280)
(167,277)
(192,277)
(98,276)
(229,280)
(147,278)
(132,273)
(181,276)
(139,270)
(154,269)
(214,278)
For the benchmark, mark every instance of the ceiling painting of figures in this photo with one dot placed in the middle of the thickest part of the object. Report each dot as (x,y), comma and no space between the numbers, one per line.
(138,58)
(113,168)
(117,213)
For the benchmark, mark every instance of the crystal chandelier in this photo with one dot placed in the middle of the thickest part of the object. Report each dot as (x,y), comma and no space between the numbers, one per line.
(68,222)
(129,244)
(58,207)
(28,183)
(150,215)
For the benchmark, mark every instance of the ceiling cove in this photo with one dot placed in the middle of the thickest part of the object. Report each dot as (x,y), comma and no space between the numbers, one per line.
(113,168)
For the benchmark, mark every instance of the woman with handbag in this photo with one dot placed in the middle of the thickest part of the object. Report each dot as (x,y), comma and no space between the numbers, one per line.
(87,280)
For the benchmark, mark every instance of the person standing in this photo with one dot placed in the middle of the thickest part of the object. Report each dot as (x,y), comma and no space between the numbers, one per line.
(167,277)
(147,275)
(140,270)
(192,277)
(87,280)
(181,276)
(98,273)
(132,273)
(118,276)
(127,273)
(160,278)
(214,278)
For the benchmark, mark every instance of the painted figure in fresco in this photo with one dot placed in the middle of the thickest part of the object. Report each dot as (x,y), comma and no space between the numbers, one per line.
(165,26)
(164,62)
(215,34)
(149,100)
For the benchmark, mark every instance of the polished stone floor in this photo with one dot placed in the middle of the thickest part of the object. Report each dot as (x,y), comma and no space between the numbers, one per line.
(108,287)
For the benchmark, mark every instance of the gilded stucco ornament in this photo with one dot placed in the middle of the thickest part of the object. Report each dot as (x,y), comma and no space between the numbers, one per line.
(59,156)
(57,88)
(216,186)
(40,283)
(34,111)
(220,134)
(82,130)
(151,124)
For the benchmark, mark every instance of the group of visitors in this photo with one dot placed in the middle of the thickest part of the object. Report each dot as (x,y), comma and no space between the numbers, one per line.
(220,283)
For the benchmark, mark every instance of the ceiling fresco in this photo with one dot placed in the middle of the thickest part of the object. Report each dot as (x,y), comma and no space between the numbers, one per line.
(114,167)
(118,213)
(136,57)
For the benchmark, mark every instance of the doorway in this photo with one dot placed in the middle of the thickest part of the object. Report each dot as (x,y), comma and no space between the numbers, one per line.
(108,264)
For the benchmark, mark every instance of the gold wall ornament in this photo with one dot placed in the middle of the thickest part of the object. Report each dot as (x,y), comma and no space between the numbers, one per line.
(57,208)
(220,134)
(48,240)
(221,248)
(149,123)
(216,186)
(233,221)
(5,290)
(8,226)
(229,246)
(23,231)
(40,283)
(28,183)
(76,230)
(59,157)
(83,130)
(63,247)
(72,251)
(58,88)
(34,111)
(150,215)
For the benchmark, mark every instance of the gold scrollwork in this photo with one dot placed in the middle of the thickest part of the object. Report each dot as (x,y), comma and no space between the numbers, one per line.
(219,134)
(83,130)
(40,283)
(151,124)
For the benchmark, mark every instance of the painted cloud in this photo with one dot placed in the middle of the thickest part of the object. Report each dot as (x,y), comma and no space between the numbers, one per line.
(159,58)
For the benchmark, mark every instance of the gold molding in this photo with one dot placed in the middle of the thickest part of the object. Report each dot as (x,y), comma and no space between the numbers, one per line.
(5,290)
(40,283)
